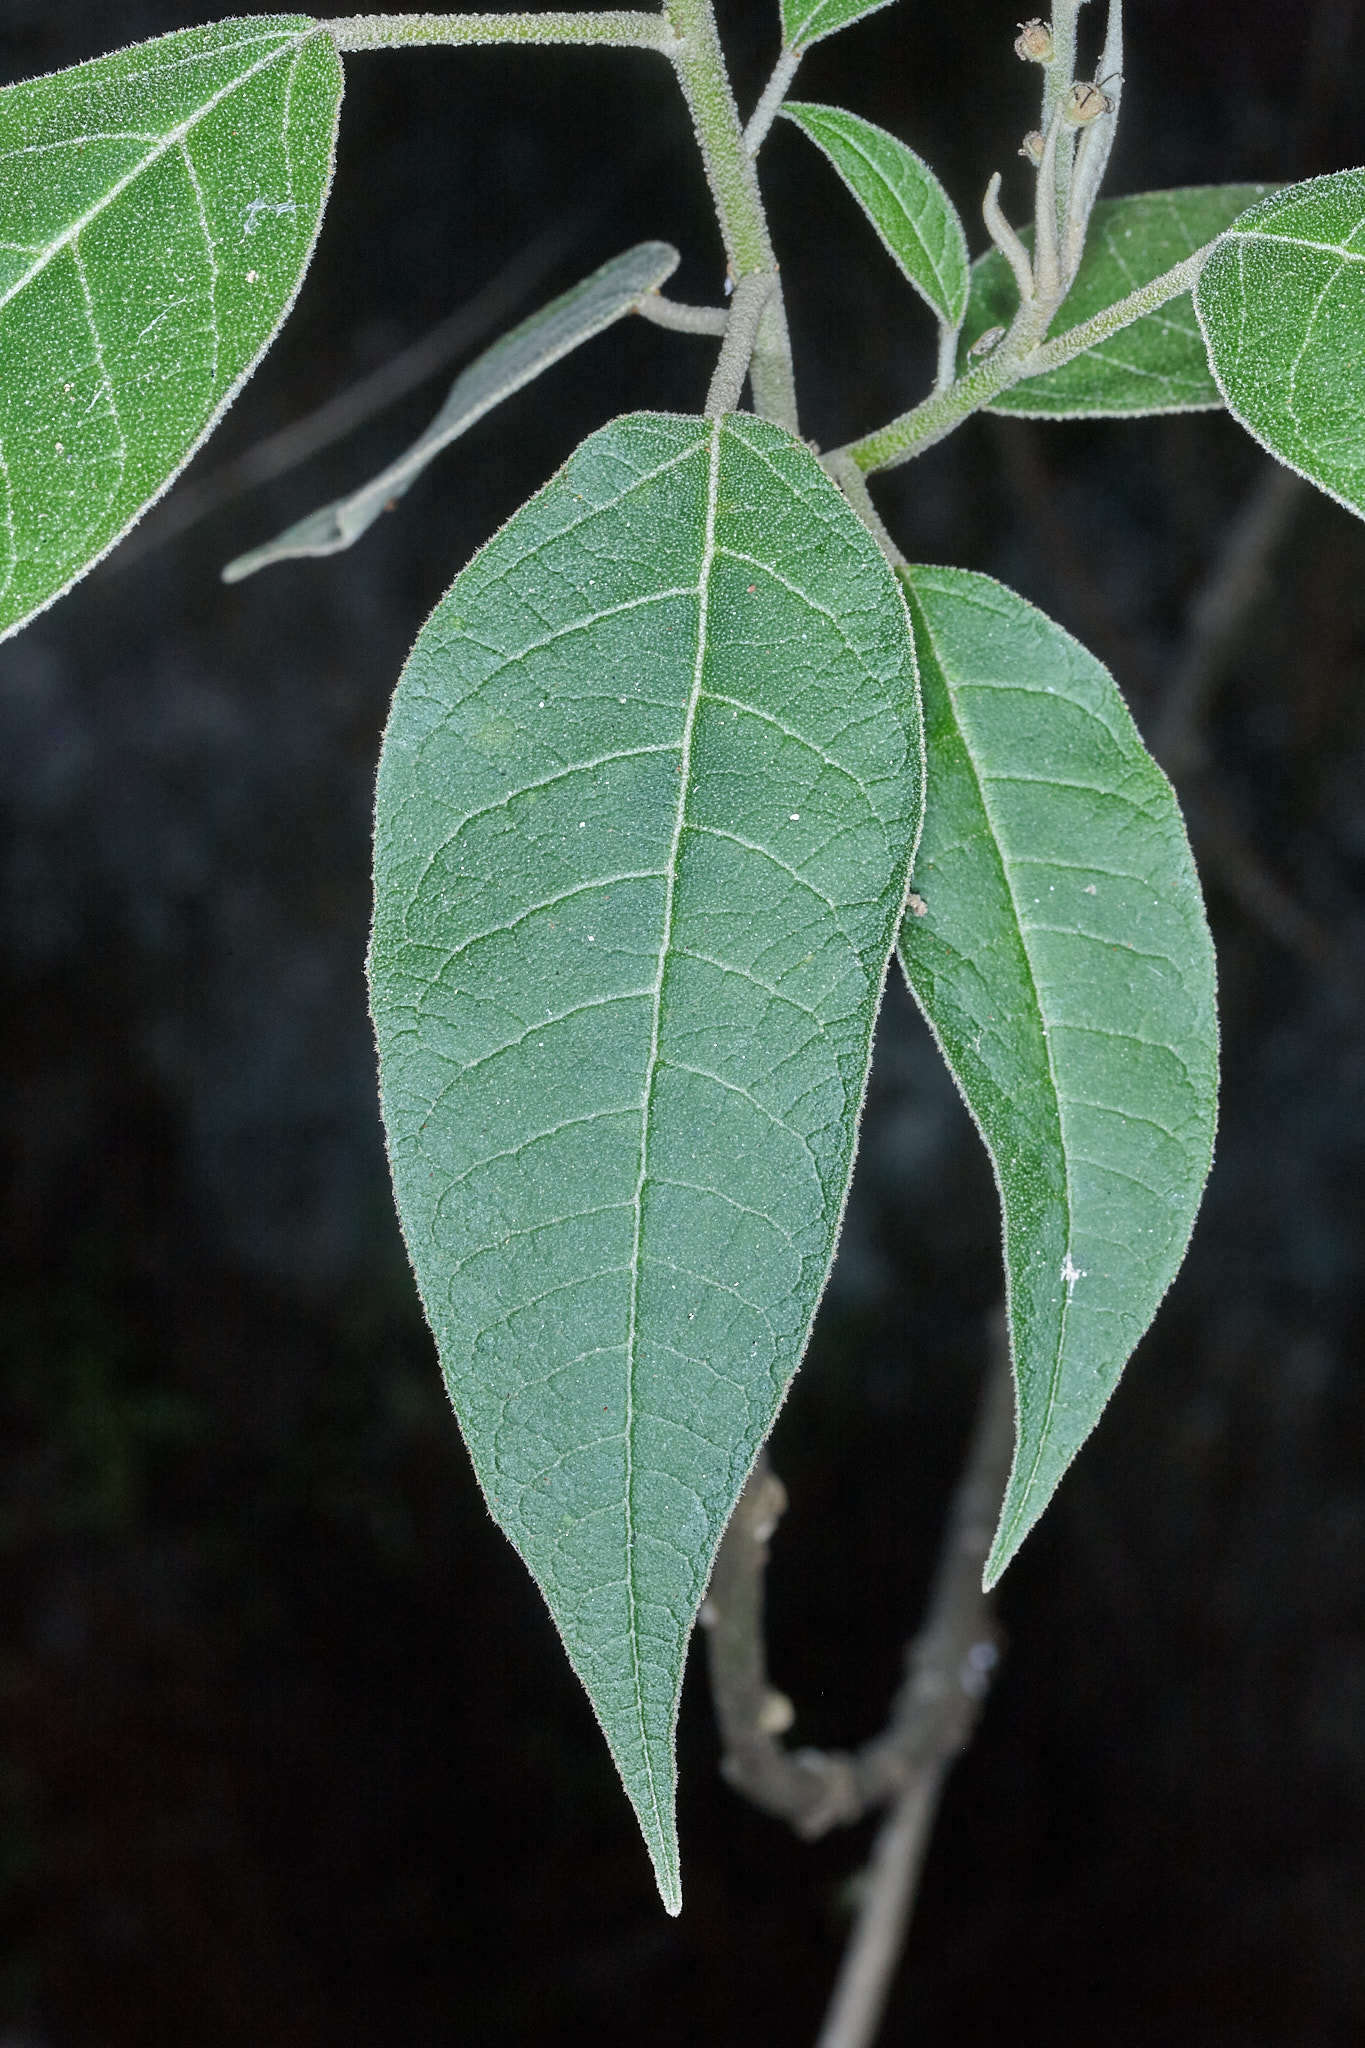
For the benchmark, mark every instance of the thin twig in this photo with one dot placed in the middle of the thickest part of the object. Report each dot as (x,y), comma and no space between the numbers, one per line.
(947,1665)
(752,294)
(774,92)
(889,1886)
(950,1671)
(681,318)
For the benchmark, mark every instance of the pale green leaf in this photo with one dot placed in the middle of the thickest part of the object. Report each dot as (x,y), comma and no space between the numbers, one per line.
(1159,363)
(646,807)
(1282,305)
(157,211)
(1058,948)
(806,21)
(902,198)
(513,361)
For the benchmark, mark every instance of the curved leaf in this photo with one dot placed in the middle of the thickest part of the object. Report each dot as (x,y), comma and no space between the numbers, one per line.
(1282,305)
(645,812)
(157,210)
(514,360)
(808,21)
(900,195)
(1062,959)
(1156,365)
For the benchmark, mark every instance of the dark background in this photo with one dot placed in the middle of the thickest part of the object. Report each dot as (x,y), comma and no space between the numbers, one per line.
(290,1754)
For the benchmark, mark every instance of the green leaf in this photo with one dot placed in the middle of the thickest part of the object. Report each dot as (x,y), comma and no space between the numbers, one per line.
(1156,365)
(157,210)
(513,361)
(1061,957)
(807,21)
(646,807)
(902,198)
(1282,305)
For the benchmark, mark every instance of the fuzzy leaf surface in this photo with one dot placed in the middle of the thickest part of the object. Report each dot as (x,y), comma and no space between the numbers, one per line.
(157,211)
(906,204)
(1282,305)
(1159,363)
(1063,961)
(646,807)
(807,21)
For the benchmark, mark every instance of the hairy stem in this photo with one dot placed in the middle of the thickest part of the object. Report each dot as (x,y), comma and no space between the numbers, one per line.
(771,375)
(1181,277)
(681,318)
(1021,355)
(700,65)
(746,310)
(774,92)
(624,28)
(1054,189)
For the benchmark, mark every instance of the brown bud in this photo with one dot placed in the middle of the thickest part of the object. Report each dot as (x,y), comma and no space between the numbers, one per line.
(1034,42)
(1031,148)
(1085,102)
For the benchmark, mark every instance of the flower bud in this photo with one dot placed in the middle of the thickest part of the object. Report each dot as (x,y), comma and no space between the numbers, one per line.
(1031,148)
(1085,102)
(1034,42)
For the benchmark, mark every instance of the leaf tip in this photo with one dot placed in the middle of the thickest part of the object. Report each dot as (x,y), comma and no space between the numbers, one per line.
(663,1854)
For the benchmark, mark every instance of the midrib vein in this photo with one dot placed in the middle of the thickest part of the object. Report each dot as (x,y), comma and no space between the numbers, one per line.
(647,1103)
(172,139)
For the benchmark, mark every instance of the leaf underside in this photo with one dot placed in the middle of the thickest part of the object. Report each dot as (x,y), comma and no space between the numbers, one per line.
(513,361)
(1064,964)
(808,21)
(912,214)
(646,807)
(1158,364)
(1282,305)
(157,211)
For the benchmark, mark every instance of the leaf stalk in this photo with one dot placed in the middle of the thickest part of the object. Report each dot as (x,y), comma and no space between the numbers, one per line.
(1021,355)
(741,331)
(627,28)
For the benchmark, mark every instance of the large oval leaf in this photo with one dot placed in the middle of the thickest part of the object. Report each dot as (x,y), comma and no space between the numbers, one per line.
(906,204)
(1282,305)
(157,210)
(1062,959)
(1159,363)
(646,807)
